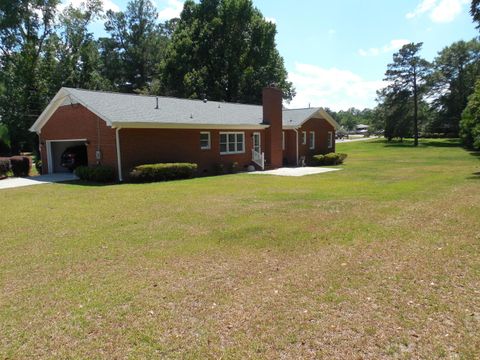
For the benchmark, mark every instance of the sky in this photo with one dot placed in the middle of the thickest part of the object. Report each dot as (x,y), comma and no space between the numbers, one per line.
(336,52)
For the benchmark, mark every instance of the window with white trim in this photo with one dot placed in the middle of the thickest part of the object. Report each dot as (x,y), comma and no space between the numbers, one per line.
(232,143)
(205,143)
(330,139)
(283,140)
(312,140)
(304,138)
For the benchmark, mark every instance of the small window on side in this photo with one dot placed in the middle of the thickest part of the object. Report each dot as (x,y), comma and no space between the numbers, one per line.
(205,140)
(330,139)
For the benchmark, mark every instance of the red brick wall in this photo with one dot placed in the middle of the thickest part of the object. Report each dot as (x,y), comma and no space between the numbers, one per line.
(290,152)
(321,128)
(272,114)
(144,146)
(77,122)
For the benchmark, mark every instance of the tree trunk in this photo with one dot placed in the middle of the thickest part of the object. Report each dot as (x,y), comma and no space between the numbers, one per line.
(415,109)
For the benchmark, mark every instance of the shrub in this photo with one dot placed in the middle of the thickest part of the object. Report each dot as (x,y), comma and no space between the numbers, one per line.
(4,167)
(38,166)
(234,168)
(218,169)
(98,173)
(162,172)
(20,165)
(329,159)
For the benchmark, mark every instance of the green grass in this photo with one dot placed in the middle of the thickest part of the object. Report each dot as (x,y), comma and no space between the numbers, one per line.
(378,260)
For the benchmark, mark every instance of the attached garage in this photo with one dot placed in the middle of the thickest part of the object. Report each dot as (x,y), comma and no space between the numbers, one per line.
(55,149)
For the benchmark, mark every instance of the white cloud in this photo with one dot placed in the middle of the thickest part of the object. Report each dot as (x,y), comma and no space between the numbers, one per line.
(107,5)
(172,10)
(334,88)
(392,46)
(447,10)
(440,11)
(271,19)
(423,7)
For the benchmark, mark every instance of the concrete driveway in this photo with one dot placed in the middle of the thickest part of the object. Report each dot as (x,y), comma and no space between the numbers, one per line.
(10,183)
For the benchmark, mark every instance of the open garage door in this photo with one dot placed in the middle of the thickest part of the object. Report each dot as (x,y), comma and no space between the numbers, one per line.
(55,149)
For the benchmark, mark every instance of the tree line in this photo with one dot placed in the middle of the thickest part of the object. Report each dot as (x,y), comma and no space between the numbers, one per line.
(424,98)
(219,49)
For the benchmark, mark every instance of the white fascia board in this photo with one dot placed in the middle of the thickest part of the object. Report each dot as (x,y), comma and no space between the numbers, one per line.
(148,125)
(55,103)
(321,112)
(49,110)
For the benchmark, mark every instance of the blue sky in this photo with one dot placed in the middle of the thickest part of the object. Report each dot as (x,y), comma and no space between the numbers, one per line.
(336,52)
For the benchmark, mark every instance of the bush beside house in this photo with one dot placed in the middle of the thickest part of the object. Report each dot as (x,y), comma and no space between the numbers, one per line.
(162,172)
(20,165)
(102,174)
(4,167)
(16,165)
(329,159)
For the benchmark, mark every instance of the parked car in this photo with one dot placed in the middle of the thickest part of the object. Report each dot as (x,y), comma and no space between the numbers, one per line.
(74,157)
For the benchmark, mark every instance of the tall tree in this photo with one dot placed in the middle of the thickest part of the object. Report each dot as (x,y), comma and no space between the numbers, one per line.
(407,76)
(395,111)
(136,44)
(79,58)
(470,123)
(475,12)
(25,27)
(455,70)
(224,50)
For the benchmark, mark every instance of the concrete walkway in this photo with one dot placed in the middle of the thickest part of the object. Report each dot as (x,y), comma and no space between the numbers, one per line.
(296,171)
(10,183)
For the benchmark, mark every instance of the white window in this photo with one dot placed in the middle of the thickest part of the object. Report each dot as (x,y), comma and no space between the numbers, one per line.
(312,140)
(304,138)
(283,140)
(205,140)
(330,139)
(232,143)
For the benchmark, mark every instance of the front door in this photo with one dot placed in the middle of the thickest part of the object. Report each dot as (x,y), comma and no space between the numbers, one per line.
(256,142)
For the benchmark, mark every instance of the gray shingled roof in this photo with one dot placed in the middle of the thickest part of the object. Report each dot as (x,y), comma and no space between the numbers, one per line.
(296,117)
(124,108)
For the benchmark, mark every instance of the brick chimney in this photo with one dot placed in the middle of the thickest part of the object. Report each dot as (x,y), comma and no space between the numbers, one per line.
(272,115)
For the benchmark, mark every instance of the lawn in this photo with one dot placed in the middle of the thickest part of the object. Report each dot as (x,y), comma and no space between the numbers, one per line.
(379,260)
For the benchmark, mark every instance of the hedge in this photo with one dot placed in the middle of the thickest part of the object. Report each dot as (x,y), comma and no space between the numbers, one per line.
(104,174)
(329,159)
(20,165)
(4,167)
(162,172)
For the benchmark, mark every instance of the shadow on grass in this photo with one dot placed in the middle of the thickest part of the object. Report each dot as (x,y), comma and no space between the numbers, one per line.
(475,176)
(86,183)
(445,143)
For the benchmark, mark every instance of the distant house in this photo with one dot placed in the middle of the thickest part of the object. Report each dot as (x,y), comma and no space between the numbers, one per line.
(361,129)
(124,130)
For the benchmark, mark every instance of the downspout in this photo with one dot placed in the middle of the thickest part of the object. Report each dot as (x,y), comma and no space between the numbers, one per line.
(119,157)
(296,134)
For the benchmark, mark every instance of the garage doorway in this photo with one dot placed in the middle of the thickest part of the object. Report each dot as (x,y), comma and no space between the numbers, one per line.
(55,149)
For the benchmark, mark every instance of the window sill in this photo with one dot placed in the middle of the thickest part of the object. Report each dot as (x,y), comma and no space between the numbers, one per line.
(232,153)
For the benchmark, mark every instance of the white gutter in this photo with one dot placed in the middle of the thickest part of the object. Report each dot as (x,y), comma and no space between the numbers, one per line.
(296,134)
(119,157)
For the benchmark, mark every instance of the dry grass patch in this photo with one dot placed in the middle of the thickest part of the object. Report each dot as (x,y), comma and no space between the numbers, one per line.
(380,260)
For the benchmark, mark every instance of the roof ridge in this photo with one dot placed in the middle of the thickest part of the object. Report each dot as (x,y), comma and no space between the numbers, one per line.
(305,108)
(158,96)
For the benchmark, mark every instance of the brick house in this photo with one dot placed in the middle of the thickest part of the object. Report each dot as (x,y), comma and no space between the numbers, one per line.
(125,130)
